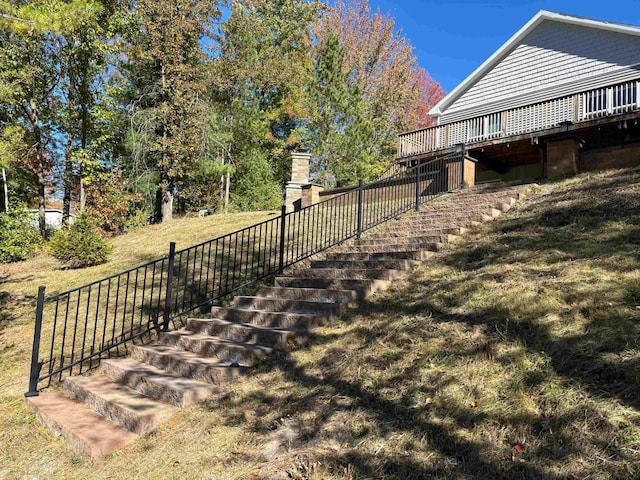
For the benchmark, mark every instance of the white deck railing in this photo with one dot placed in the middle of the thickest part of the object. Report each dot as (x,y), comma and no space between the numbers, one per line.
(588,105)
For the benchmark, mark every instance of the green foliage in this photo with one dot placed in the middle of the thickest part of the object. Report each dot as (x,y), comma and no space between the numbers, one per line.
(339,134)
(174,99)
(81,245)
(19,238)
(256,188)
(167,76)
(137,220)
(110,204)
(260,80)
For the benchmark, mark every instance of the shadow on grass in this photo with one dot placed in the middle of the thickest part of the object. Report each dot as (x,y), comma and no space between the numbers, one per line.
(515,355)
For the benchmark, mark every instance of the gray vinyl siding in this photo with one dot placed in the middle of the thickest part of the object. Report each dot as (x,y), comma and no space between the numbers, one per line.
(554,60)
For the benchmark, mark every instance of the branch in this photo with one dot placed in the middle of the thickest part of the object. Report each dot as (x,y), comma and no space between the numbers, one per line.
(11,18)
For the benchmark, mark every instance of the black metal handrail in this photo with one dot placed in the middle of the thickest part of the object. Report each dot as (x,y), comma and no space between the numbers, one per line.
(75,329)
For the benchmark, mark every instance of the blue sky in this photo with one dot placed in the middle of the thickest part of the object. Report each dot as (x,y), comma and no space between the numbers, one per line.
(452,38)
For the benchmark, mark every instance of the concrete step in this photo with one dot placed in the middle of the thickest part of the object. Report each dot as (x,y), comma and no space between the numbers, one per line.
(393,247)
(155,382)
(456,221)
(87,431)
(394,264)
(463,213)
(448,209)
(243,353)
(446,238)
(243,332)
(296,321)
(415,255)
(188,364)
(288,306)
(350,273)
(120,404)
(364,287)
(401,230)
(347,297)
(426,222)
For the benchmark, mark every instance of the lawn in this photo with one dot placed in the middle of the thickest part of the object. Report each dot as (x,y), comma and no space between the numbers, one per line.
(514,353)
(19,285)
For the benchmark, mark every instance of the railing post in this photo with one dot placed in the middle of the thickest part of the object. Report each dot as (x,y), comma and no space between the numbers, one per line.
(283,216)
(417,206)
(35,352)
(167,298)
(359,231)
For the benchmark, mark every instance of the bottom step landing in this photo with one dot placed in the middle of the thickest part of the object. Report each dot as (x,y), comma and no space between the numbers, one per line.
(87,431)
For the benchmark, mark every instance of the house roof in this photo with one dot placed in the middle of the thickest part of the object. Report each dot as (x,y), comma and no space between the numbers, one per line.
(515,40)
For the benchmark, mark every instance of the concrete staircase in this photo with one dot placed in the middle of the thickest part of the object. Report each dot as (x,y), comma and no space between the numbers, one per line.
(131,396)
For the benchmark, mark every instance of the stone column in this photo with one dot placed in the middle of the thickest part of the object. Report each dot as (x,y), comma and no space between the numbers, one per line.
(299,178)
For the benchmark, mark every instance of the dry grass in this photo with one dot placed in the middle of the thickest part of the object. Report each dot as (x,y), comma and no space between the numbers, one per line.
(515,354)
(18,288)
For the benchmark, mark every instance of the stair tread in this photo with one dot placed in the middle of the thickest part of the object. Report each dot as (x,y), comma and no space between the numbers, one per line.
(251,310)
(248,326)
(219,340)
(323,291)
(287,305)
(159,375)
(185,355)
(90,432)
(126,398)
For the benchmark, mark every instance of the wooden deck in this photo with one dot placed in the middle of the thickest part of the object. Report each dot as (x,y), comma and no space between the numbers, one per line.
(590,108)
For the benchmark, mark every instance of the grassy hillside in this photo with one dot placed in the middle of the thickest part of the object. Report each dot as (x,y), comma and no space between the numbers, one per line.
(514,354)
(19,285)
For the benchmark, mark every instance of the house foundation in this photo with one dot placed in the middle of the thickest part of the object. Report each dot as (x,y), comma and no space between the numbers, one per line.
(563,157)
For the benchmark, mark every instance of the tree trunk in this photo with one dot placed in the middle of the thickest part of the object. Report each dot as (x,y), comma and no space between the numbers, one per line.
(6,192)
(68,181)
(157,213)
(84,138)
(41,194)
(41,173)
(164,205)
(167,205)
(83,195)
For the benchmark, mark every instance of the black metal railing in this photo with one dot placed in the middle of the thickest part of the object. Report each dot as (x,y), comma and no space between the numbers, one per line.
(75,329)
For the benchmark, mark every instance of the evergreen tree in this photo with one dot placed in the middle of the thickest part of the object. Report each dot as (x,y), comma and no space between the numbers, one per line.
(166,71)
(259,81)
(339,134)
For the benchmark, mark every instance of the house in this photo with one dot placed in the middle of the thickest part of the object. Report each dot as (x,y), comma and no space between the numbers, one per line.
(559,97)
(52,218)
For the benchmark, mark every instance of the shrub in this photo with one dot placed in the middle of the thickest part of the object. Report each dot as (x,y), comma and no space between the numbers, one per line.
(138,220)
(81,245)
(255,186)
(19,238)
